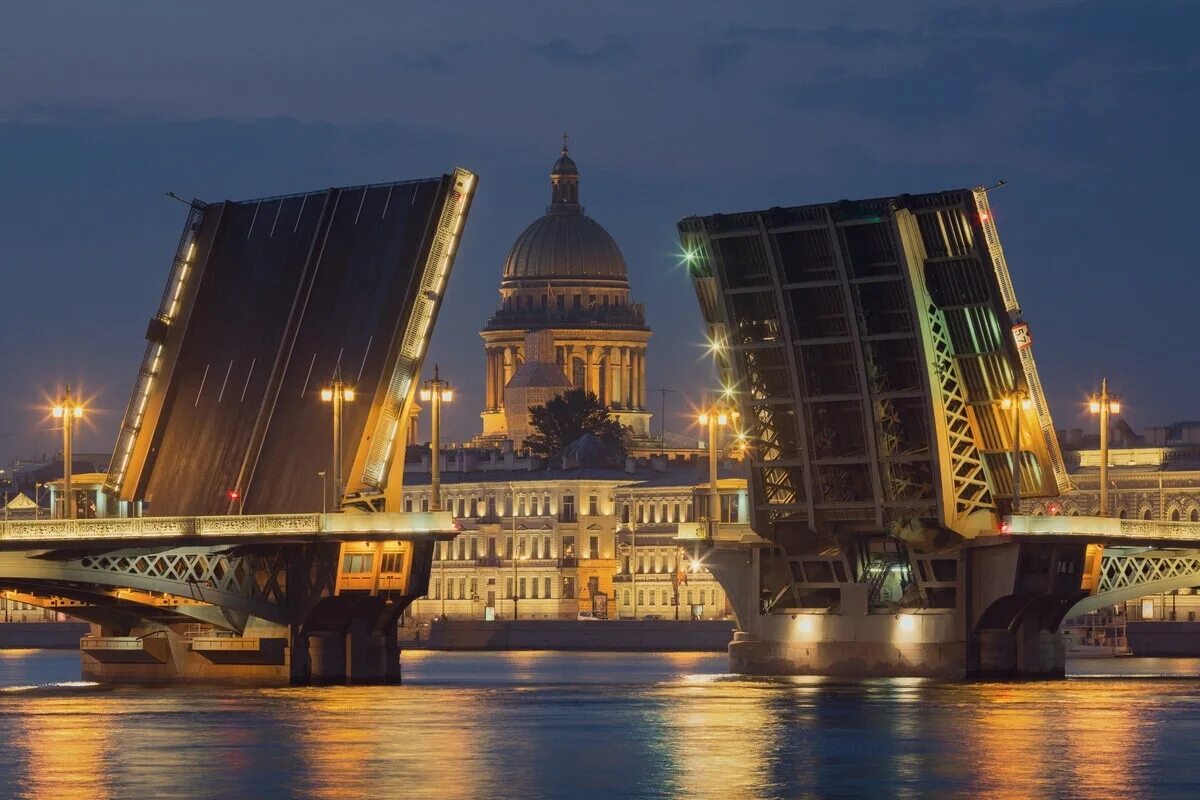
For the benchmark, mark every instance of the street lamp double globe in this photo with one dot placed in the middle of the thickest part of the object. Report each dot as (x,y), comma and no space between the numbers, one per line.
(1103,404)
(336,394)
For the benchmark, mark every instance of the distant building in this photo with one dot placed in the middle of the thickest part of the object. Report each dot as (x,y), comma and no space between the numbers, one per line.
(1153,476)
(562,537)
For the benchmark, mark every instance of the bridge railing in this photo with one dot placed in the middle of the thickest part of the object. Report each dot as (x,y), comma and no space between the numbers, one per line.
(1106,528)
(343,526)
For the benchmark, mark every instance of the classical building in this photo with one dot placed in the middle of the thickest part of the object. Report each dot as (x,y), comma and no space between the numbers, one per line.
(564,540)
(566,309)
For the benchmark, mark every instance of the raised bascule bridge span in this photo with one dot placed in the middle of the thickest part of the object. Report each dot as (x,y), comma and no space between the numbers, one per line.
(244,550)
(893,414)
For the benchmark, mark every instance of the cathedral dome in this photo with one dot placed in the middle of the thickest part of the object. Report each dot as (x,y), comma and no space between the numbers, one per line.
(565,243)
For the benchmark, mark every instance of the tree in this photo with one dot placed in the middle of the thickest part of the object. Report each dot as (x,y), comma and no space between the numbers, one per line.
(568,416)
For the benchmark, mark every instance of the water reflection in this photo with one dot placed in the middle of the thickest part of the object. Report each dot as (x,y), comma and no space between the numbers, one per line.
(593,725)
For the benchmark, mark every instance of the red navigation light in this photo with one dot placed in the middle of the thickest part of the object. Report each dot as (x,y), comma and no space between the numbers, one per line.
(232,494)
(1054,509)
(1005,527)
(984,216)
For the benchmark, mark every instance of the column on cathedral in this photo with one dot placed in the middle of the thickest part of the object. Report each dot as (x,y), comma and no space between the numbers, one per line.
(593,370)
(509,356)
(615,365)
(642,378)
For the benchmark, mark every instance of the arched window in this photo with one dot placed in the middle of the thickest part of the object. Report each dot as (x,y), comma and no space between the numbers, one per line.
(1121,514)
(1174,515)
(1146,514)
(1194,516)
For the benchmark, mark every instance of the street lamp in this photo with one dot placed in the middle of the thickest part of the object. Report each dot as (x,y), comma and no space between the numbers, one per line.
(68,410)
(1016,401)
(714,417)
(438,391)
(517,559)
(1104,404)
(336,394)
(324,492)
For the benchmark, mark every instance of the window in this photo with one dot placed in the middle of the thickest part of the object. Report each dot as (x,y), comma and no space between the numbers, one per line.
(521,589)
(392,562)
(568,588)
(625,513)
(641,513)
(568,508)
(548,586)
(594,505)
(508,505)
(462,549)
(491,506)
(424,503)
(665,602)
(462,507)
(474,548)
(508,583)
(449,588)
(534,587)
(593,547)
(689,597)
(593,586)
(641,565)
(641,598)
(533,511)
(474,588)
(729,508)
(408,504)
(474,507)
(521,506)
(358,562)
(437,590)
(462,589)
(537,547)
(577,302)
(651,598)
(568,546)
(652,514)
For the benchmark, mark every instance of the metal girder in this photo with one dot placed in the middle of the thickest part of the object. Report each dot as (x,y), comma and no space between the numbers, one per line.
(1130,574)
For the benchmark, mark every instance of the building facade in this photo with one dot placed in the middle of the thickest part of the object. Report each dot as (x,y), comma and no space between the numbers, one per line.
(540,543)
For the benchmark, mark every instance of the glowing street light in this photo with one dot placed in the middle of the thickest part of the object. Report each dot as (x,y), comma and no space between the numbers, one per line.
(1017,401)
(436,391)
(714,418)
(336,394)
(68,410)
(1103,404)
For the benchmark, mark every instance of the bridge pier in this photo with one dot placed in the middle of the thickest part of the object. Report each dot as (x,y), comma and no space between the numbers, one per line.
(976,610)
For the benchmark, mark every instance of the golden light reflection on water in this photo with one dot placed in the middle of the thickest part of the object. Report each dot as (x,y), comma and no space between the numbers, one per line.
(602,725)
(61,761)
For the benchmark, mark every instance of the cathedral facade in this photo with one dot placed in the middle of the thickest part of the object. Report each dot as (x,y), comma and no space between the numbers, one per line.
(566,320)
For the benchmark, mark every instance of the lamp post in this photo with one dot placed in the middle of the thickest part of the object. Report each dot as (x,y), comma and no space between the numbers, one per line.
(336,394)
(68,410)
(435,392)
(714,418)
(1016,401)
(1104,404)
(517,558)
(324,492)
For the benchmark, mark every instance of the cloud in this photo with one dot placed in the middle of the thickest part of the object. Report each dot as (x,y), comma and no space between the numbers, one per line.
(565,53)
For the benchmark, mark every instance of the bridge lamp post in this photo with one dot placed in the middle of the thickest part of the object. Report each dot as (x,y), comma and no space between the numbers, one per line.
(517,559)
(714,418)
(1016,401)
(435,392)
(68,410)
(1104,404)
(337,394)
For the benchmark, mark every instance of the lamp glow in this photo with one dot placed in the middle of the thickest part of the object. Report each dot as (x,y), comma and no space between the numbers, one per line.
(327,395)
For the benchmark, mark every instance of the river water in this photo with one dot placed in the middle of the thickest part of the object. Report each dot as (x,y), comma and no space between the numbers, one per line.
(590,725)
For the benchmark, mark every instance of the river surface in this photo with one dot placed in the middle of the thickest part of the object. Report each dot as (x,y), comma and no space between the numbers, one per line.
(572,725)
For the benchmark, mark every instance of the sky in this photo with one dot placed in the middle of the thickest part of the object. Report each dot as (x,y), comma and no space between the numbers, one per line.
(1089,110)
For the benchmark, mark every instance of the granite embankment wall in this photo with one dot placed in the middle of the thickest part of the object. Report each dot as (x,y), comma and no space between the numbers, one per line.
(42,635)
(627,635)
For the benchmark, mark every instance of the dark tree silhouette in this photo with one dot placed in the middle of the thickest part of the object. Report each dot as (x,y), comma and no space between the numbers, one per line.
(568,416)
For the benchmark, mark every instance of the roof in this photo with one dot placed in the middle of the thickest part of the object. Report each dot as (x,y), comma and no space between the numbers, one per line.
(682,475)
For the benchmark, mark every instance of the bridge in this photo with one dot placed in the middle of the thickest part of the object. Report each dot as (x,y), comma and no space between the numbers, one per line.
(895,422)
(243,550)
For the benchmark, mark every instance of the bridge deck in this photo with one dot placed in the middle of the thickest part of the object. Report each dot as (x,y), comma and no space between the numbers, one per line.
(210,530)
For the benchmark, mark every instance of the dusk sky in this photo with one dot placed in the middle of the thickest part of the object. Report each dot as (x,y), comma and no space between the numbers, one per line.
(1089,110)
